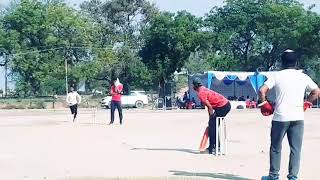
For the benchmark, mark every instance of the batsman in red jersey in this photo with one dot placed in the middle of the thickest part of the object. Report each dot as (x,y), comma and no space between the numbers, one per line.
(217,105)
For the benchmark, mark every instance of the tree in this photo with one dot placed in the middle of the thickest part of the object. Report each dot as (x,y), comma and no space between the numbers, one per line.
(119,21)
(25,31)
(3,59)
(72,32)
(131,70)
(133,40)
(98,71)
(117,25)
(254,33)
(233,27)
(168,42)
(286,25)
(39,37)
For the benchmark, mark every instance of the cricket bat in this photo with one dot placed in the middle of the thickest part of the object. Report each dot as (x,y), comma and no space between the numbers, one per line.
(204,140)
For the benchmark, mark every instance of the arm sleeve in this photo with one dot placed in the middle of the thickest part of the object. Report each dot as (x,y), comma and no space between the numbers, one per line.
(78,98)
(120,88)
(311,85)
(67,99)
(111,90)
(202,97)
(271,82)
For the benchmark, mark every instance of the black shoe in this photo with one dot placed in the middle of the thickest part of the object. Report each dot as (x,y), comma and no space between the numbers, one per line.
(110,123)
(207,151)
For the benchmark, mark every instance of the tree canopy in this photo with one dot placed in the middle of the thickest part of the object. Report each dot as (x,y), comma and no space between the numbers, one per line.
(143,46)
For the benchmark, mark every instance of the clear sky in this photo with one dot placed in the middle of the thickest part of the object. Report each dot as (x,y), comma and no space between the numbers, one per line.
(196,7)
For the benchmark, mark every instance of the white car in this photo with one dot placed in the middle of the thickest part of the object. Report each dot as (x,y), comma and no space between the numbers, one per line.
(136,99)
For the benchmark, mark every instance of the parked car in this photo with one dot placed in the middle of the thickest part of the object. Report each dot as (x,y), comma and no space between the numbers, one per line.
(137,99)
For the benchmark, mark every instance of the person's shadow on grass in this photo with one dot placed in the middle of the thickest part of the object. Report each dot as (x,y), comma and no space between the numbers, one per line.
(168,149)
(211,175)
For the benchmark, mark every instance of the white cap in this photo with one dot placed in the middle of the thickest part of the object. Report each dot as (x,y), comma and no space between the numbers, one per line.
(289,50)
(117,83)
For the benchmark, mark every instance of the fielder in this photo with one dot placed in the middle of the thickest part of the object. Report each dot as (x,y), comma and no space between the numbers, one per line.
(290,86)
(73,99)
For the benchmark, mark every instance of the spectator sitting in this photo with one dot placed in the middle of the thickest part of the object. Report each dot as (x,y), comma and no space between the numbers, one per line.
(178,102)
(253,103)
(193,100)
(185,97)
(183,102)
(248,102)
(241,98)
(193,103)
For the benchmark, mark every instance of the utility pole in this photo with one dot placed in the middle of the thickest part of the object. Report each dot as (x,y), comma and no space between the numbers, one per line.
(6,80)
(66,68)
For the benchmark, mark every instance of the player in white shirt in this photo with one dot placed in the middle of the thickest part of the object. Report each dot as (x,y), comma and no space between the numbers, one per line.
(73,99)
(290,85)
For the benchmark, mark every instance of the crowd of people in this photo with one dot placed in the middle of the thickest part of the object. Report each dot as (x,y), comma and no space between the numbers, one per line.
(185,102)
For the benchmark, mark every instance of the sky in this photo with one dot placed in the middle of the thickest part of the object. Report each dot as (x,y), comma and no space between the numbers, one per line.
(196,7)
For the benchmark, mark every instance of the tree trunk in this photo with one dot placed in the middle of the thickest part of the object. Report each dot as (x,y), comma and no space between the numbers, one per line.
(162,88)
(35,87)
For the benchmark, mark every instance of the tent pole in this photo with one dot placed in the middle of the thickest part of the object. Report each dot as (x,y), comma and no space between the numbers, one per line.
(257,87)
(234,88)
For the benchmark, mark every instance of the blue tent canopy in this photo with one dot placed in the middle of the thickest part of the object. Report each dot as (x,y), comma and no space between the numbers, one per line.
(256,79)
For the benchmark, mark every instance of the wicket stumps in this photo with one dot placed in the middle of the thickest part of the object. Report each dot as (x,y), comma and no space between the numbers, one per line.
(221,137)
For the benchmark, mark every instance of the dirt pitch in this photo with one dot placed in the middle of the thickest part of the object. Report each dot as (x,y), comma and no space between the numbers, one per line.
(45,144)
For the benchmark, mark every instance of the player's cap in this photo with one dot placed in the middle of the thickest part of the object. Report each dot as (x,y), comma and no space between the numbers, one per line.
(288,51)
(289,57)
(197,82)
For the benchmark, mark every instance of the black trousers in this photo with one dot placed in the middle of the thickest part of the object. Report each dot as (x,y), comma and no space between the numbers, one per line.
(116,105)
(219,112)
(74,110)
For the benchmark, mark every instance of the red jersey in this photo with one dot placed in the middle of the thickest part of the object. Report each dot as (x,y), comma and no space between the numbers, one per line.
(117,96)
(215,99)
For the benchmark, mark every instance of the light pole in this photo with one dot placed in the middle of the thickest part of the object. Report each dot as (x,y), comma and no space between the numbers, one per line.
(4,62)
(258,70)
(6,80)
(66,76)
